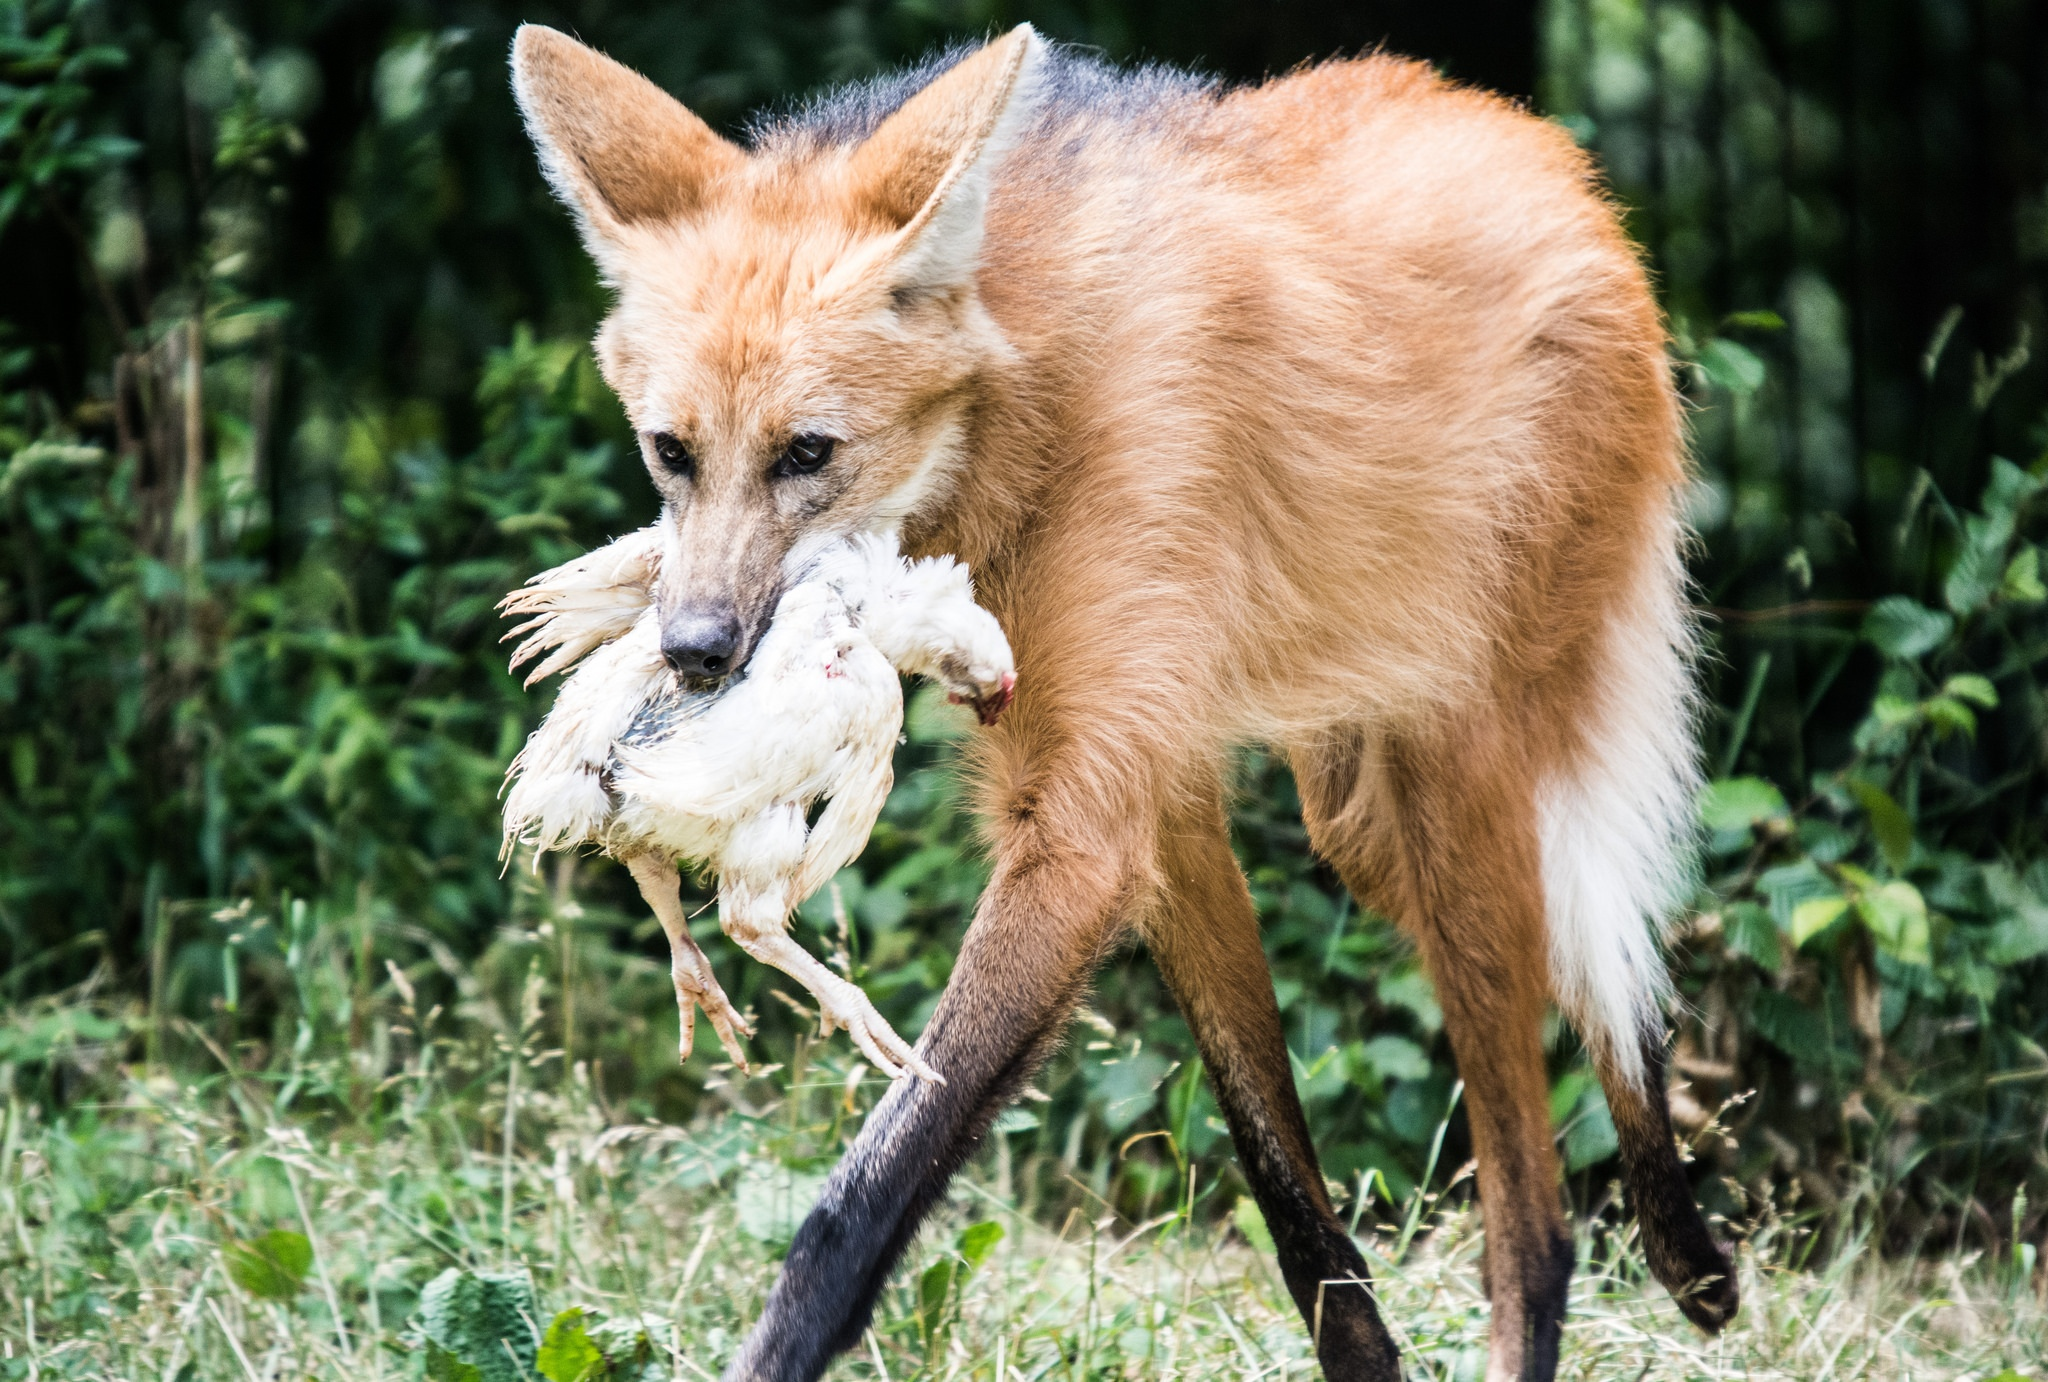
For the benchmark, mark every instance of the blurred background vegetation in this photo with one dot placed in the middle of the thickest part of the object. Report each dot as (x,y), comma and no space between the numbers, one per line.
(293,387)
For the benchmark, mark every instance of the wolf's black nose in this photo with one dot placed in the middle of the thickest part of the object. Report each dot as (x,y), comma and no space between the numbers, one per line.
(700,645)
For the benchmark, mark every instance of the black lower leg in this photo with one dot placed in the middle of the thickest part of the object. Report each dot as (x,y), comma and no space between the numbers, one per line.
(1322,1267)
(1545,1290)
(917,1138)
(1682,1254)
(1036,938)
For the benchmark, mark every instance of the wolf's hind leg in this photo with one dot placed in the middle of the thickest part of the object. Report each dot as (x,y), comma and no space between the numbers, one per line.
(1683,1255)
(1440,832)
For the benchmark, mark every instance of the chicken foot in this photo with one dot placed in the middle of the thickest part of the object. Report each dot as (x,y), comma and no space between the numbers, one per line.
(689,967)
(840,1001)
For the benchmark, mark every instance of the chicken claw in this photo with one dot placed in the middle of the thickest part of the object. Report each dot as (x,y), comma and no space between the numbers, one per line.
(840,1002)
(689,967)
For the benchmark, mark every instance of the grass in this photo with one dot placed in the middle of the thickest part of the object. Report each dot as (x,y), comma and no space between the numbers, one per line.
(114,1214)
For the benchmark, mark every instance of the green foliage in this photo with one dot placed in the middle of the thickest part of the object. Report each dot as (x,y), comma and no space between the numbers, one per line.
(567,1354)
(47,104)
(1887,957)
(272,1267)
(939,1286)
(479,1326)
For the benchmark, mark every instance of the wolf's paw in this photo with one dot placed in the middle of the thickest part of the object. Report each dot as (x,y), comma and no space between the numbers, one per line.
(1712,1299)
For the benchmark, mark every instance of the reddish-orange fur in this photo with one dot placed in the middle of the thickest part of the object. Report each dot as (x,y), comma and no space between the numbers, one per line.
(1332,413)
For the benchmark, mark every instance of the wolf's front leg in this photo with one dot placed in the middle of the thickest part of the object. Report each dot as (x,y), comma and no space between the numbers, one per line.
(1049,913)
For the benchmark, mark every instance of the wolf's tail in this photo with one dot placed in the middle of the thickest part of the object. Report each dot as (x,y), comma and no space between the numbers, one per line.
(1617,848)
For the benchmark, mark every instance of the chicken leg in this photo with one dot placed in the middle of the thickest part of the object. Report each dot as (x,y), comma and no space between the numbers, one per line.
(688,966)
(757,924)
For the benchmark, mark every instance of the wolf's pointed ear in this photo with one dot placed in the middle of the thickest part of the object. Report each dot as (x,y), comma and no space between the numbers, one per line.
(927,168)
(618,149)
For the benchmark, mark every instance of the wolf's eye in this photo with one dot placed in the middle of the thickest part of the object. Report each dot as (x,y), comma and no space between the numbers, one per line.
(805,455)
(673,455)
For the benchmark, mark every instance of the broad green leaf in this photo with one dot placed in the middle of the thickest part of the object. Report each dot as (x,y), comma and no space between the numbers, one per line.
(1897,917)
(1749,930)
(1396,1058)
(1411,989)
(2021,932)
(1570,1089)
(933,1287)
(2022,583)
(1899,626)
(2008,488)
(1888,822)
(1252,1224)
(1970,687)
(567,1354)
(272,1267)
(1788,885)
(483,1319)
(977,1241)
(2011,1375)
(1591,1136)
(1950,716)
(1974,575)
(1755,320)
(443,1366)
(1737,803)
(1814,916)
(1732,367)
(2019,937)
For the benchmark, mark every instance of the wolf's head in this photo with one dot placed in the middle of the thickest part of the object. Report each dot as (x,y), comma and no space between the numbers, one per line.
(796,333)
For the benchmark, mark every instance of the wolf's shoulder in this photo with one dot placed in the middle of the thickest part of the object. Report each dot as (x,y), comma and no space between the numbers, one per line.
(1072,85)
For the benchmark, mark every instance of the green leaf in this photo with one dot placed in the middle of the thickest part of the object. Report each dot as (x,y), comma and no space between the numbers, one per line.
(443,1366)
(1755,320)
(1789,885)
(567,1354)
(1970,687)
(932,1290)
(1814,916)
(1732,367)
(1252,1224)
(1888,822)
(1950,716)
(272,1267)
(1737,803)
(977,1241)
(2012,1375)
(1396,1058)
(484,1320)
(1899,626)
(1799,1032)
(2022,583)
(1591,1137)
(1896,915)
(2008,488)
(1973,576)
(1750,931)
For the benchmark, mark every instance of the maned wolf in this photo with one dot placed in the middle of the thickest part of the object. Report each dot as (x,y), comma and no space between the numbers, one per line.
(1331,413)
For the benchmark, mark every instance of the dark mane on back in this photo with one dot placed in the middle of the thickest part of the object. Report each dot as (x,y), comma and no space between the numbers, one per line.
(1073,85)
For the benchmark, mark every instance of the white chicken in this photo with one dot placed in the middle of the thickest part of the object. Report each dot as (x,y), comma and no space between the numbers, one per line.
(649,770)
